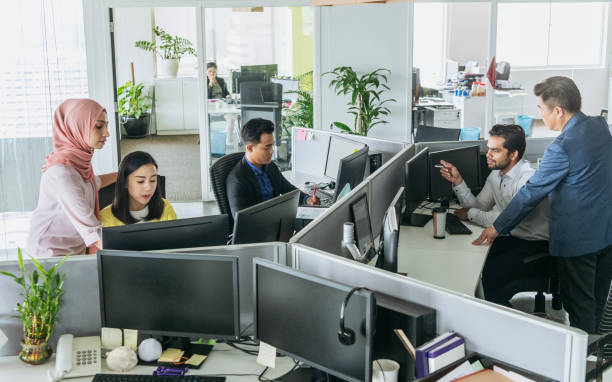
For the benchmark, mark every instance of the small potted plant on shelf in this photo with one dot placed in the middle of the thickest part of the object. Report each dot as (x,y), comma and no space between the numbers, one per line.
(365,92)
(171,49)
(134,109)
(42,299)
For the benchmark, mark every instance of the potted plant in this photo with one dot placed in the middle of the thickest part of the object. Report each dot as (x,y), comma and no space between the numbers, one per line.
(171,49)
(300,114)
(365,91)
(42,292)
(134,109)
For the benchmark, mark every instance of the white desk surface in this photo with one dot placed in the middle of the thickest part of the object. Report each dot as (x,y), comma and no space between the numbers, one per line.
(222,360)
(299,178)
(222,107)
(452,262)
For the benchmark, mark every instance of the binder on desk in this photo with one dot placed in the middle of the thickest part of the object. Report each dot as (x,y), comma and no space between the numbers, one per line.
(439,352)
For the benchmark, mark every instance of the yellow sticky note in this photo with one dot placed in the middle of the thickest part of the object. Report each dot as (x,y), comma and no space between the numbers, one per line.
(195,360)
(171,355)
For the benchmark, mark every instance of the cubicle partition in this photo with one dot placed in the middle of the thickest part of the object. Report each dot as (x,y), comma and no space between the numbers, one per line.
(80,311)
(309,149)
(541,346)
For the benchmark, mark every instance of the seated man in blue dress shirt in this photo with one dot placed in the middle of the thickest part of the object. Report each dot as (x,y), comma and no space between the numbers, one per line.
(255,178)
(576,176)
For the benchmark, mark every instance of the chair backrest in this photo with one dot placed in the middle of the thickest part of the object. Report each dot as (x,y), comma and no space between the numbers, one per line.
(218,174)
(107,194)
(502,70)
(436,134)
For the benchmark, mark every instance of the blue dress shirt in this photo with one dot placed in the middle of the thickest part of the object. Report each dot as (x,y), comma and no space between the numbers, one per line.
(267,191)
(576,176)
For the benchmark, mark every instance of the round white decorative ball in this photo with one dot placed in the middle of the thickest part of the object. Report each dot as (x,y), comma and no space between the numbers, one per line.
(122,358)
(149,350)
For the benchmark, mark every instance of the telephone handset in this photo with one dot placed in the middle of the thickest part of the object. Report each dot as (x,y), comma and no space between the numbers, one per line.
(77,357)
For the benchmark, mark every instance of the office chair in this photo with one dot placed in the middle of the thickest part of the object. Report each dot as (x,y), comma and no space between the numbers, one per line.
(218,174)
(502,70)
(262,100)
(548,284)
(107,194)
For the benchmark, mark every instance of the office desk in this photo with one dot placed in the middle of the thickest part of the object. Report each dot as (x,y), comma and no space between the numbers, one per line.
(452,262)
(222,360)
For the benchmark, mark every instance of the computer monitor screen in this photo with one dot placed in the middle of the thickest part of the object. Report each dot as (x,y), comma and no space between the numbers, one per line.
(267,221)
(363,227)
(339,148)
(436,134)
(466,159)
(240,78)
(185,295)
(390,233)
(298,314)
(182,233)
(271,70)
(351,171)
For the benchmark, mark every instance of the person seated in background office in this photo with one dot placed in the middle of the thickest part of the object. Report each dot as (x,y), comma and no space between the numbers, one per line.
(137,197)
(256,178)
(575,174)
(67,218)
(217,89)
(504,268)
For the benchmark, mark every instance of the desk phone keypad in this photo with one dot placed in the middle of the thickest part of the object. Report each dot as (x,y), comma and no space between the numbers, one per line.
(86,357)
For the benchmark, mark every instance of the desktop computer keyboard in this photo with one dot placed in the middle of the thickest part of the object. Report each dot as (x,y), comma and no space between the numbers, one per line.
(454,226)
(155,378)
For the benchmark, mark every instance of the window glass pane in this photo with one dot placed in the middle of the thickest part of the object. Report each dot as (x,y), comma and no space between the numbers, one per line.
(522,34)
(429,44)
(576,33)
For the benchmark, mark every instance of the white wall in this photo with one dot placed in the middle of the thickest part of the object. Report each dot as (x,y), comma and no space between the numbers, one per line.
(468,32)
(131,25)
(366,37)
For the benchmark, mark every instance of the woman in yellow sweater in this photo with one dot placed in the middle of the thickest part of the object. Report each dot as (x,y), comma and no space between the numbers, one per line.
(137,197)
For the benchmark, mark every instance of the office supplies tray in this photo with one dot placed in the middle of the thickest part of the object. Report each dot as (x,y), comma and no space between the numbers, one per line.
(202,349)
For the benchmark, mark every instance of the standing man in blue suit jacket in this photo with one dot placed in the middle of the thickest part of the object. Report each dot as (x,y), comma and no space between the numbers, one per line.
(576,176)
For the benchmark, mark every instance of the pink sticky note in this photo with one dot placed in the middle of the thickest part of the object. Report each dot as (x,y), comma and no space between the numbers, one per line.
(302,135)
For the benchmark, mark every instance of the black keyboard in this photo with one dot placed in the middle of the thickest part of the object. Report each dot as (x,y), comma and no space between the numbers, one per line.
(454,226)
(155,378)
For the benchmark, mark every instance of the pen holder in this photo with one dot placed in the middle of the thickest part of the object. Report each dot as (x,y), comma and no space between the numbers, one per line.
(439,223)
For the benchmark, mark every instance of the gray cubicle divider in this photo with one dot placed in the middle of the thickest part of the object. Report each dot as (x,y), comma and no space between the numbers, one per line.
(80,312)
(384,184)
(246,253)
(325,232)
(309,155)
(529,342)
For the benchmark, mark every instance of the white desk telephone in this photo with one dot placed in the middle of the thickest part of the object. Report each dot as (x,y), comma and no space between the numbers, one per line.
(76,357)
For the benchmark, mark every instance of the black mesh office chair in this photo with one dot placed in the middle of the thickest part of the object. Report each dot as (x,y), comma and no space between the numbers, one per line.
(218,174)
(107,194)
(548,284)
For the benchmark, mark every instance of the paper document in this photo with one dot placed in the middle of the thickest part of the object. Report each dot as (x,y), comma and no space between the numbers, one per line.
(458,372)
(309,212)
(267,355)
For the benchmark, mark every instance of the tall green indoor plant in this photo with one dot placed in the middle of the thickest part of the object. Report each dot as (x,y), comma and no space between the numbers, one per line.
(134,109)
(170,49)
(42,299)
(365,92)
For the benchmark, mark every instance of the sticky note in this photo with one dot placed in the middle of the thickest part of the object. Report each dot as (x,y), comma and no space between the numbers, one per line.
(301,135)
(477,366)
(130,338)
(267,355)
(195,360)
(111,338)
(171,355)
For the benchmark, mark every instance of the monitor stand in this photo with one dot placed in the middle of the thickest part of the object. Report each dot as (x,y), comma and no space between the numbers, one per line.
(415,220)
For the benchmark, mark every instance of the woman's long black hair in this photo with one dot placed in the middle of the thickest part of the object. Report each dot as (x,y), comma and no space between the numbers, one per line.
(121,202)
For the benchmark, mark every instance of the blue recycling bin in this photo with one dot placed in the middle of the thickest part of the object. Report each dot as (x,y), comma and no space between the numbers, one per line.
(525,122)
(470,134)
(217,142)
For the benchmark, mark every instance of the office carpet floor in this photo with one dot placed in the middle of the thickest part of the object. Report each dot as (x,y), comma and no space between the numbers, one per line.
(178,158)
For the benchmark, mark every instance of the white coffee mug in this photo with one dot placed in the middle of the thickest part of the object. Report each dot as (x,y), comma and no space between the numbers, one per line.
(385,370)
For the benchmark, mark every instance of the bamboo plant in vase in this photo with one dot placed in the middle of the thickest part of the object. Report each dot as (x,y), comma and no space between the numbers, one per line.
(42,292)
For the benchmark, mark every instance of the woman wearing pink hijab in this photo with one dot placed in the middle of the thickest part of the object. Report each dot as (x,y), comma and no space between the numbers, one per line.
(67,218)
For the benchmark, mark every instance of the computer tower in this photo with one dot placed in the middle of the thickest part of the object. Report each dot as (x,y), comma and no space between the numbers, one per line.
(418,323)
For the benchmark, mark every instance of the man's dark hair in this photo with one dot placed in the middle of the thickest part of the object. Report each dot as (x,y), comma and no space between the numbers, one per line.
(211,65)
(514,137)
(252,130)
(121,203)
(559,91)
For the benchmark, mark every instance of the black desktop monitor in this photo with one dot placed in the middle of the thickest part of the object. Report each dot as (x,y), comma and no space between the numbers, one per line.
(240,78)
(271,70)
(467,161)
(173,294)
(416,181)
(389,239)
(298,314)
(351,170)
(360,215)
(436,134)
(267,221)
(182,233)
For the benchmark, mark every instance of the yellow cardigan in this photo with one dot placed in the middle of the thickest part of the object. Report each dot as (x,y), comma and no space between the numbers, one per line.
(109,220)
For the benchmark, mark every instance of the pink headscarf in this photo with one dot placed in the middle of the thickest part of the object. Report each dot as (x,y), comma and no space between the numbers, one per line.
(73,122)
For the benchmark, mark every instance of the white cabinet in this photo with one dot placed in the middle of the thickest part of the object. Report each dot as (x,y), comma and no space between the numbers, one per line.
(176,106)
(472,112)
